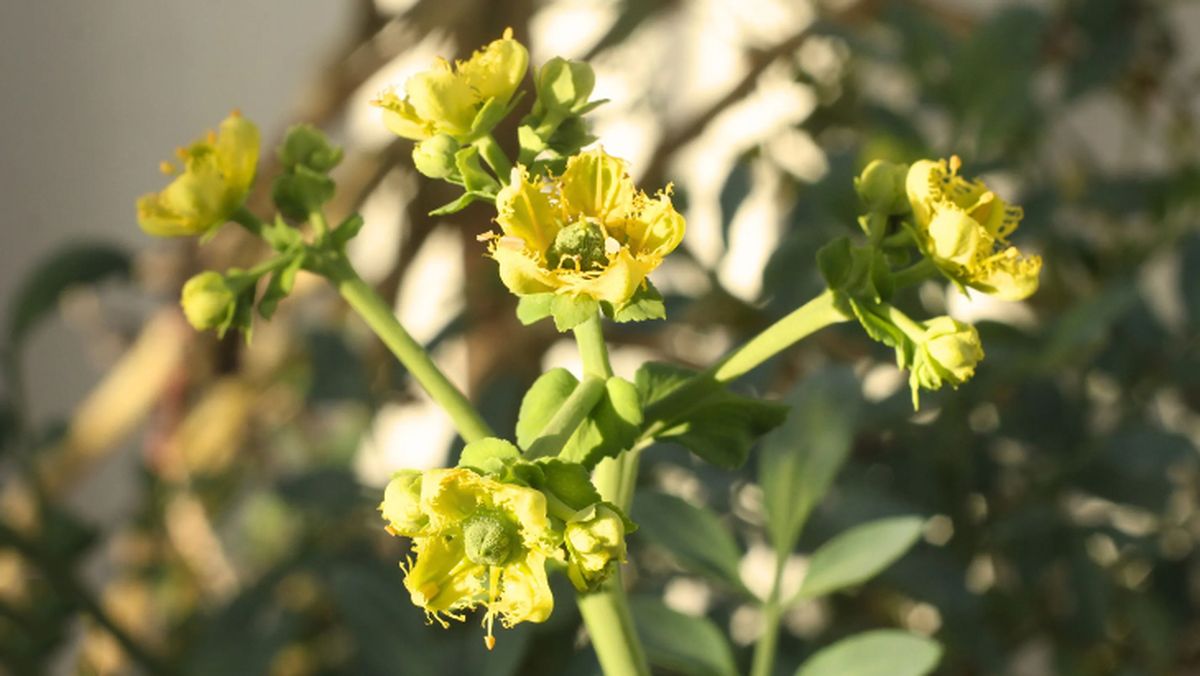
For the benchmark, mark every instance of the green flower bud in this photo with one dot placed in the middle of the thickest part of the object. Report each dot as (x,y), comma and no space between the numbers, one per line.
(564,86)
(881,187)
(434,157)
(947,355)
(401,506)
(595,540)
(207,300)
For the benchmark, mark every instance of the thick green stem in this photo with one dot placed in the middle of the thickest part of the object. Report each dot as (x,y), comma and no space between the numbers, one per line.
(606,611)
(383,322)
(610,626)
(814,315)
(494,155)
(568,418)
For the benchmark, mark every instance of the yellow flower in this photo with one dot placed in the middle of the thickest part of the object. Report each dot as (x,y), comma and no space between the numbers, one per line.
(446,98)
(963,227)
(589,232)
(477,541)
(217,173)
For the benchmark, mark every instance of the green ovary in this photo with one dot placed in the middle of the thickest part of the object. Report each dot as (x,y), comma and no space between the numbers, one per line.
(578,246)
(489,539)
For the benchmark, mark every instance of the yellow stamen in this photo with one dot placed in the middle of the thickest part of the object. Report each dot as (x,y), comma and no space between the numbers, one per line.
(167,168)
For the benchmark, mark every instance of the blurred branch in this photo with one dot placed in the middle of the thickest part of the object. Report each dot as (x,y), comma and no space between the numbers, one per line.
(66,582)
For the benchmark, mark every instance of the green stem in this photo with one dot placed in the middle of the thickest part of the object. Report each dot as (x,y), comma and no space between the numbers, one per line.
(764,650)
(914,274)
(814,315)
(494,155)
(65,581)
(243,217)
(912,329)
(320,226)
(383,322)
(606,611)
(610,626)
(568,418)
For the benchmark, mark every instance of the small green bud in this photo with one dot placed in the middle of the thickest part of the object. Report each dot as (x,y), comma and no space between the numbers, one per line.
(401,506)
(564,86)
(579,246)
(881,187)
(207,300)
(305,145)
(489,539)
(434,157)
(595,540)
(948,354)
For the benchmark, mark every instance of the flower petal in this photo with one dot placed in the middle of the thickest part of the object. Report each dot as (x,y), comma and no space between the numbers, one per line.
(523,210)
(596,184)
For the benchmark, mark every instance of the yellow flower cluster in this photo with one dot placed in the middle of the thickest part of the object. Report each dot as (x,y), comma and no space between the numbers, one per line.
(963,227)
(588,232)
(216,175)
(480,541)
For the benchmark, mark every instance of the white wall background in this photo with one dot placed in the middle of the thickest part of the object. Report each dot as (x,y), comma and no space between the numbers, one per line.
(94,93)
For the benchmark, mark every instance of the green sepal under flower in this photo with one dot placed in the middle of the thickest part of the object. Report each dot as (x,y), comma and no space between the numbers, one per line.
(588,234)
(464,100)
(963,227)
(216,175)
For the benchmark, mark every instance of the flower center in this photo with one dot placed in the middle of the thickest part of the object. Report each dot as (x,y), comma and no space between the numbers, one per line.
(578,246)
(489,539)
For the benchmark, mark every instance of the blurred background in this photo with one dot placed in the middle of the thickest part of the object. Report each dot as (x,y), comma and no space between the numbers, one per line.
(172,503)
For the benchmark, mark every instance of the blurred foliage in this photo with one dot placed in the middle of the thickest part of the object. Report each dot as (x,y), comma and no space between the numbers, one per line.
(1061,481)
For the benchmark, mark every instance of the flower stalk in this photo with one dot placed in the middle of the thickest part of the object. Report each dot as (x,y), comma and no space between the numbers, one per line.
(411,354)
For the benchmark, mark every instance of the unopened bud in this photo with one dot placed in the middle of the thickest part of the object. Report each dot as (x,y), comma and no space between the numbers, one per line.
(207,300)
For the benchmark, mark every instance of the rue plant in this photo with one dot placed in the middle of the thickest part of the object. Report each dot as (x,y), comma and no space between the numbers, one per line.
(577,241)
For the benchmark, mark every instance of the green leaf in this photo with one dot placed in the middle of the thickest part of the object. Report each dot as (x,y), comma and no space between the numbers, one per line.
(568,481)
(487,455)
(73,265)
(475,177)
(645,304)
(681,643)
(655,380)
(534,307)
(281,236)
(301,191)
(693,535)
(798,461)
(464,200)
(571,311)
(612,426)
(857,555)
(280,286)
(541,402)
(347,231)
(722,428)
(836,263)
(883,652)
